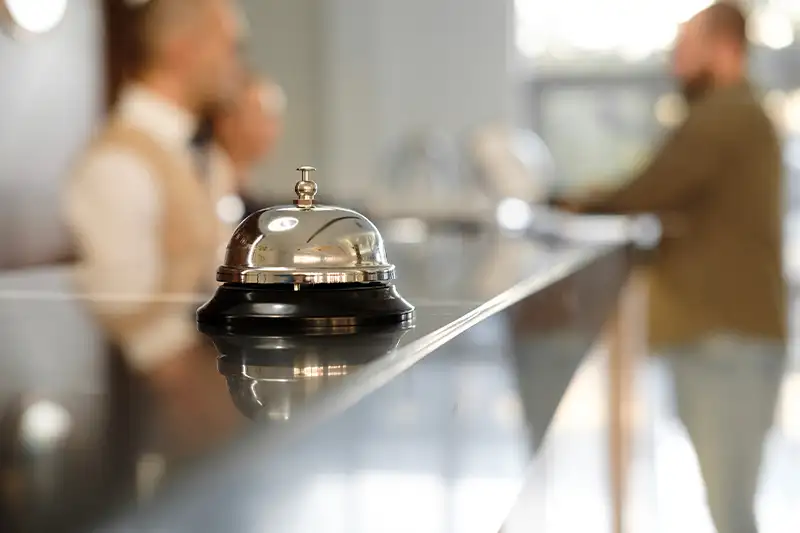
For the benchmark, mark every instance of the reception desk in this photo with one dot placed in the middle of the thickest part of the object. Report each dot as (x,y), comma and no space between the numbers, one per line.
(431,427)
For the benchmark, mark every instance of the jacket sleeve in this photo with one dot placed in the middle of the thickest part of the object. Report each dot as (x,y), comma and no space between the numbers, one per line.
(679,171)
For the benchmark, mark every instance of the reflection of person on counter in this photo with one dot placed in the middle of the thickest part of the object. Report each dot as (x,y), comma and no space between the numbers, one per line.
(247,129)
(717,296)
(142,206)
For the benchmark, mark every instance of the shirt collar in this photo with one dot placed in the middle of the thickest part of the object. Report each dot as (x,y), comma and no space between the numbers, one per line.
(157,116)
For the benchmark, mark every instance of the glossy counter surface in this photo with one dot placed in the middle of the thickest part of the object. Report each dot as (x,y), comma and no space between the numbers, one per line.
(429,428)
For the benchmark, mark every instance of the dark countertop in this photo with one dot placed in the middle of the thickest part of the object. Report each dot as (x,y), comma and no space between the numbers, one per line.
(442,417)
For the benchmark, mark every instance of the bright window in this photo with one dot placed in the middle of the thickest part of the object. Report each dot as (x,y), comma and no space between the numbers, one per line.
(630,29)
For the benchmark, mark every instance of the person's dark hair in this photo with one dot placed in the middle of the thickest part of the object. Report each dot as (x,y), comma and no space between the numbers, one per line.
(139,15)
(727,20)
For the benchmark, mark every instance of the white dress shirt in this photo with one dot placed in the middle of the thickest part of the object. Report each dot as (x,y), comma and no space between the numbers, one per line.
(114,209)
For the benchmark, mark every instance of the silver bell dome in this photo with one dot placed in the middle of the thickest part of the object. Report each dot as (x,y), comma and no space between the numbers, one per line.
(306,243)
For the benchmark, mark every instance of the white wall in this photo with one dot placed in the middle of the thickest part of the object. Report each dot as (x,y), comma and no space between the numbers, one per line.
(362,74)
(50,98)
(285,45)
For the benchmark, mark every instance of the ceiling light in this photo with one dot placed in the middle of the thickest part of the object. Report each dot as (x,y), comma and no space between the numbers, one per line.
(34,16)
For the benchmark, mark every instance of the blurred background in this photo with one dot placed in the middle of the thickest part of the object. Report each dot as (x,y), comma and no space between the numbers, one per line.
(364,98)
(393,102)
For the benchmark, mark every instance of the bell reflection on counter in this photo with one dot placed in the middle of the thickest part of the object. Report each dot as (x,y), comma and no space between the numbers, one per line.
(270,376)
(305,266)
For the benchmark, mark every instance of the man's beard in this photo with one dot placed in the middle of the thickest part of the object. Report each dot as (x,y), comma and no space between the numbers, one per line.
(696,87)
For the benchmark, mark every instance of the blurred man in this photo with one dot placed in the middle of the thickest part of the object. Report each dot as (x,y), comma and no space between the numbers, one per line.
(142,202)
(247,130)
(717,296)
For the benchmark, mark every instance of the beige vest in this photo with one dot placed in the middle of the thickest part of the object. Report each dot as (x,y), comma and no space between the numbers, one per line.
(189,228)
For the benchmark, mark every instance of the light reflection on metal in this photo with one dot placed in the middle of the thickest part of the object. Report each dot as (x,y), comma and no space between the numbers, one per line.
(282,224)
(309,259)
(270,377)
(305,244)
(320,371)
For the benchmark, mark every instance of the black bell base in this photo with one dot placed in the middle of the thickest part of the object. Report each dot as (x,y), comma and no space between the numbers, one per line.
(281,308)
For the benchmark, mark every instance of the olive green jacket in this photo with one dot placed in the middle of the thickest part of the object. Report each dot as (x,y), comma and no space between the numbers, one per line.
(716,183)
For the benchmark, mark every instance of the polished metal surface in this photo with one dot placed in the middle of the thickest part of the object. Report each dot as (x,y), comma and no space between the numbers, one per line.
(276,392)
(305,189)
(131,437)
(436,436)
(306,244)
(271,377)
